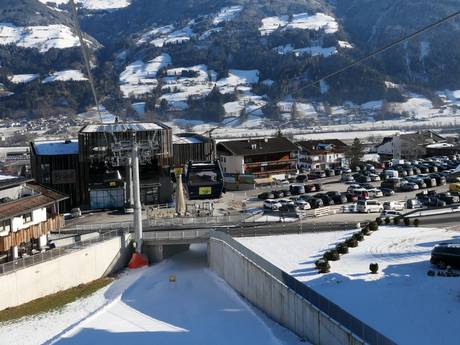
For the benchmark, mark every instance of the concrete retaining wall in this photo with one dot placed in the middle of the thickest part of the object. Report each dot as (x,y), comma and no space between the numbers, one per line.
(64,272)
(273,297)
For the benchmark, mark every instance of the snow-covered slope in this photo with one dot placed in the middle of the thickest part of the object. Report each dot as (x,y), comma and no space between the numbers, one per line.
(143,307)
(42,38)
(23,78)
(300,21)
(93,4)
(67,75)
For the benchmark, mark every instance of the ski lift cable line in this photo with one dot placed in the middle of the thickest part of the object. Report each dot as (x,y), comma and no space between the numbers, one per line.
(84,52)
(357,62)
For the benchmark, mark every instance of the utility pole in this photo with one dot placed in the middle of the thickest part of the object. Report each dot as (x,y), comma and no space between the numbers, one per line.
(137,195)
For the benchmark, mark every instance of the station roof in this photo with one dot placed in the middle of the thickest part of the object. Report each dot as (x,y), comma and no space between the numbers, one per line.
(55,147)
(123,127)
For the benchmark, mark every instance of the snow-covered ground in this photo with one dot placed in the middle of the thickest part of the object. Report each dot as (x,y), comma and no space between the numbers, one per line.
(23,78)
(143,307)
(227,14)
(68,75)
(401,301)
(300,21)
(93,4)
(41,37)
(313,51)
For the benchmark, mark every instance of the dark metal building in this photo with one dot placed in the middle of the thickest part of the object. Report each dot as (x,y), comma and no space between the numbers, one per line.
(103,150)
(191,147)
(55,164)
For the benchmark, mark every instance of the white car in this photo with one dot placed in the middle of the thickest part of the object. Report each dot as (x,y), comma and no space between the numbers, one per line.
(393,205)
(302,204)
(286,202)
(375,193)
(375,177)
(369,206)
(272,205)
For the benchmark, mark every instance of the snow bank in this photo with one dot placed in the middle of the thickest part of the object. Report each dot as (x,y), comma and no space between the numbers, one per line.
(22,78)
(401,301)
(68,75)
(42,38)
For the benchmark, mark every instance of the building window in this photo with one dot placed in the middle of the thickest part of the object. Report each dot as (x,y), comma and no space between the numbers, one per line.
(27,217)
(45,173)
(5,225)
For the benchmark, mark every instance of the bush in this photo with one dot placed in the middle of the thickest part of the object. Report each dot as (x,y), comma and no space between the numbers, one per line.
(342,248)
(352,242)
(396,220)
(373,226)
(387,220)
(416,222)
(365,231)
(358,236)
(322,265)
(374,267)
(406,221)
(332,255)
(379,221)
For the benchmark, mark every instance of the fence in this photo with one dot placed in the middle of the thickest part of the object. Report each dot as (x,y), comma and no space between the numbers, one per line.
(54,253)
(323,211)
(326,307)
(177,236)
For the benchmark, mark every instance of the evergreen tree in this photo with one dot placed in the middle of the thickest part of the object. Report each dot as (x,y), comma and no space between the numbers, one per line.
(355,153)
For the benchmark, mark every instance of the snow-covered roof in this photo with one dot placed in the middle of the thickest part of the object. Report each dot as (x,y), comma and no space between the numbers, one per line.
(123,127)
(56,147)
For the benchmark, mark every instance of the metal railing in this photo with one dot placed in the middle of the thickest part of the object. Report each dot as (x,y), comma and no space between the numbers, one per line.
(214,220)
(186,235)
(54,253)
(356,326)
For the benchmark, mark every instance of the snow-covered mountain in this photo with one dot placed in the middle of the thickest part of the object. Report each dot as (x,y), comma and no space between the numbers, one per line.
(232,56)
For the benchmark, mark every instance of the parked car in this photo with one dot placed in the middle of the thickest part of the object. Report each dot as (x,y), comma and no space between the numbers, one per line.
(272,205)
(393,184)
(329,172)
(366,186)
(375,193)
(347,179)
(338,171)
(408,187)
(362,178)
(338,197)
(286,202)
(351,197)
(278,194)
(413,203)
(390,214)
(313,175)
(448,198)
(430,181)
(318,187)
(346,171)
(314,202)
(369,206)
(362,193)
(327,201)
(297,189)
(387,191)
(353,187)
(266,195)
(446,254)
(440,180)
(310,188)
(431,201)
(301,178)
(393,205)
(375,177)
(419,181)
(286,192)
(454,187)
(302,204)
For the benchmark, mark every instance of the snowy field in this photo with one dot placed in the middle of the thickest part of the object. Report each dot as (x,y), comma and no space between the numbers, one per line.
(401,301)
(93,4)
(143,307)
(41,37)
(68,75)
(300,21)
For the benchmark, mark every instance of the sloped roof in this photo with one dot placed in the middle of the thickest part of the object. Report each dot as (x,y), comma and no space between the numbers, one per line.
(252,147)
(18,207)
(311,146)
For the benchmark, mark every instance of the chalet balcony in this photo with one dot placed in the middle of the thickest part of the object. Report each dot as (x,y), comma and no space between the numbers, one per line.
(32,232)
(270,163)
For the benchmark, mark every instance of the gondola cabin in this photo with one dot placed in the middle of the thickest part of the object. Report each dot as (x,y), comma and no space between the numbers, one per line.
(204,180)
